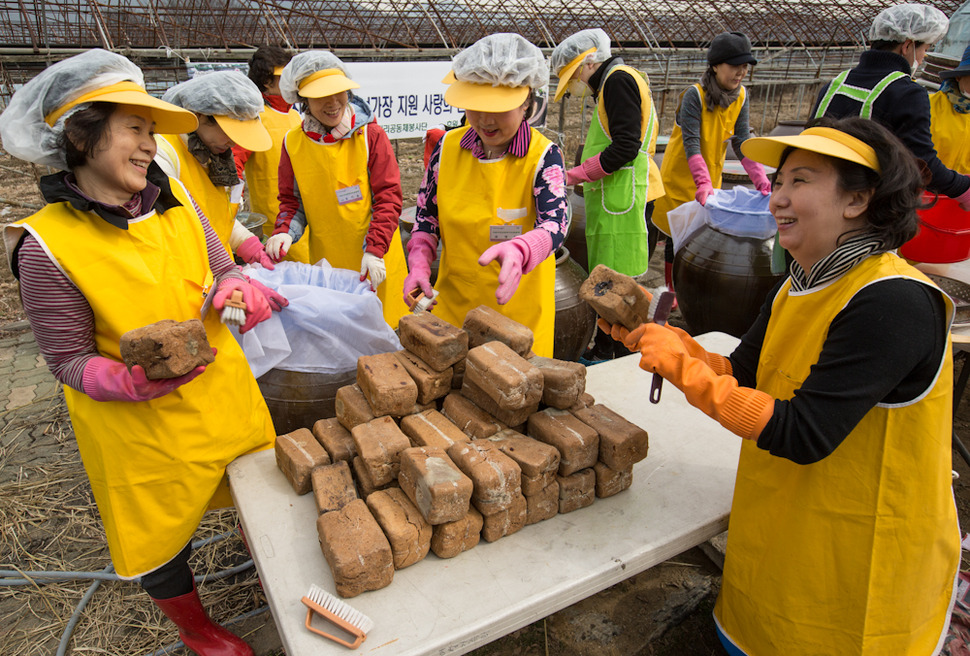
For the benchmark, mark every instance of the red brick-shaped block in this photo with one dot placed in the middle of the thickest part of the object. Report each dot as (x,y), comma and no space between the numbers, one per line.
(577,490)
(532,485)
(611,481)
(297,453)
(497,477)
(458,374)
(622,443)
(336,439)
(431,428)
(386,384)
(616,297)
(356,549)
(333,486)
(431,384)
(435,484)
(472,420)
(542,505)
(438,343)
(480,397)
(351,407)
(406,530)
(166,348)
(483,324)
(577,443)
(562,382)
(364,483)
(379,443)
(508,378)
(451,538)
(585,400)
(505,522)
(534,458)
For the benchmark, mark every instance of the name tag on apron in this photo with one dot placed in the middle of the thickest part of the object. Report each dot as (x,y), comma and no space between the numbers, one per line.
(505,231)
(349,195)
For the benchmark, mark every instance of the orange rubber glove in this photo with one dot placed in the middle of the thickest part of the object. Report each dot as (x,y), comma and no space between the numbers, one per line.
(720,364)
(742,410)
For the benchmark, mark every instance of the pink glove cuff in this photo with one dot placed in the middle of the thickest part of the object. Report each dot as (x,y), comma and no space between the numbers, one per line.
(756,172)
(422,249)
(538,246)
(964,200)
(589,171)
(90,377)
(698,169)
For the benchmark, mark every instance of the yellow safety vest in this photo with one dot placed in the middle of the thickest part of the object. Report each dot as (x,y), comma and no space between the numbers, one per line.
(155,466)
(262,177)
(951,133)
(716,128)
(338,231)
(856,553)
(215,202)
(474,196)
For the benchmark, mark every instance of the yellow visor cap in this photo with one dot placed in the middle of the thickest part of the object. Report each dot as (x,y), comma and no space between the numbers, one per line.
(483,97)
(567,71)
(169,118)
(825,141)
(250,134)
(325,83)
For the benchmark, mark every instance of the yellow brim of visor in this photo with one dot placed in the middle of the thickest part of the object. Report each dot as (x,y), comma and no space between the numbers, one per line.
(250,134)
(567,71)
(825,141)
(325,83)
(483,97)
(278,70)
(169,118)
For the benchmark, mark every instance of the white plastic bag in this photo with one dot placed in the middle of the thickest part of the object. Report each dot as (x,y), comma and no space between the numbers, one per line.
(333,318)
(740,211)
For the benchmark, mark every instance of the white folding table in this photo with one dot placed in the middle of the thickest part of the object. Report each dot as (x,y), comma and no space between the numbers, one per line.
(680,497)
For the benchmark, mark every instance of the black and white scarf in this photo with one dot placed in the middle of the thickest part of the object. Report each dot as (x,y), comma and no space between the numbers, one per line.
(845,256)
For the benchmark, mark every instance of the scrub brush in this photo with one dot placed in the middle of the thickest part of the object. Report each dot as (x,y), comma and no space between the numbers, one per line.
(348,618)
(234,311)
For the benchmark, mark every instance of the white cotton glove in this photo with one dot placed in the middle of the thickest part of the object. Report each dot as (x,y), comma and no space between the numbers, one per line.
(278,245)
(373,266)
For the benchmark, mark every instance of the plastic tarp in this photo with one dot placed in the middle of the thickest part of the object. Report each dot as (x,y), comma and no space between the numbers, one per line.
(333,318)
(741,212)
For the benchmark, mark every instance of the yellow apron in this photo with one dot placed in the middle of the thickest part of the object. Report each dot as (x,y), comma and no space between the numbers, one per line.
(338,231)
(474,196)
(262,177)
(856,553)
(156,466)
(951,133)
(215,202)
(716,128)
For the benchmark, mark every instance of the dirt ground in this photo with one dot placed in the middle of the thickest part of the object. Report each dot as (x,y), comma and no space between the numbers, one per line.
(48,522)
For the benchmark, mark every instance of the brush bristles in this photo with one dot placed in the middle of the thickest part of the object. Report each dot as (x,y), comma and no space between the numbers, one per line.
(339,608)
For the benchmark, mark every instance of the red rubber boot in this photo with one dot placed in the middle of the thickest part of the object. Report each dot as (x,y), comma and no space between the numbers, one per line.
(669,281)
(198,631)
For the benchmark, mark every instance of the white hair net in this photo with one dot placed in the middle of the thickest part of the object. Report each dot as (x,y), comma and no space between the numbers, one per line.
(219,93)
(302,66)
(24,133)
(573,46)
(909,21)
(505,60)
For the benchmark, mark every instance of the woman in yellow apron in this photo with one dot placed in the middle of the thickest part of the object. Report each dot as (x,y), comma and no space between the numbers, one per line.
(710,112)
(228,106)
(950,116)
(843,535)
(338,178)
(120,246)
(260,168)
(493,195)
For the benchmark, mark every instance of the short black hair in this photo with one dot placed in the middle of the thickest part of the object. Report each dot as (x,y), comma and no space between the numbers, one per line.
(896,191)
(264,61)
(883,44)
(85,131)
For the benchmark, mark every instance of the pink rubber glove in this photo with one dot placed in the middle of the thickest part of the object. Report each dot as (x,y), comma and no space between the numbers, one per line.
(422,251)
(702,177)
(757,174)
(276,300)
(964,200)
(588,171)
(252,251)
(257,307)
(516,257)
(105,379)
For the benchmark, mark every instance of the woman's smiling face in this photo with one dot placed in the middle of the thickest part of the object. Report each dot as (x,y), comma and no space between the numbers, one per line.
(118,167)
(329,110)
